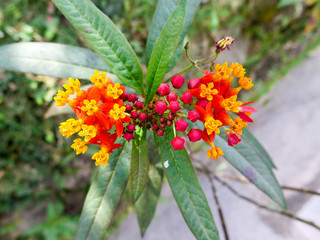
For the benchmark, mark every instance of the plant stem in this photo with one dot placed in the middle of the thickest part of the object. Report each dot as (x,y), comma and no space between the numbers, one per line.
(223,222)
(259,205)
(303,190)
(183,71)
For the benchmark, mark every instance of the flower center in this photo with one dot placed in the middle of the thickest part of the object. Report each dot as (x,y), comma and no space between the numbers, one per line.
(208,91)
(90,107)
(88,132)
(101,157)
(118,112)
(212,125)
(231,104)
(114,91)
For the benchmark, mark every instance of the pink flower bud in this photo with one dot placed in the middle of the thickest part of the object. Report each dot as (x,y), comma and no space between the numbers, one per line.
(149,115)
(177,143)
(233,138)
(138,105)
(134,114)
(142,117)
(128,108)
(172,97)
(193,115)
(132,98)
(128,136)
(163,125)
(160,132)
(177,81)
(164,89)
(174,106)
(124,96)
(186,98)
(194,83)
(150,106)
(194,135)
(169,123)
(161,107)
(162,119)
(202,103)
(181,125)
(131,127)
(155,127)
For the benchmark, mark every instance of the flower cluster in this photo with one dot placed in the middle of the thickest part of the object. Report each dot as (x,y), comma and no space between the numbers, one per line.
(98,110)
(105,111)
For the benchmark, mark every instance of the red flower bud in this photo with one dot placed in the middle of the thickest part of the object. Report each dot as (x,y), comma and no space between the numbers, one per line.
(163,125)
(194,135)
(202,103)
(155,127)
(138,105)
(124,96)
(186,98)
(132,98)
(160,132)
(194,83)
(181,125)
(142,117)
(171,116)
(134,114)
(164,89)
(161,107)
(150,105)
(128,108)
(172,97)
(233,138)
(128,136)
(193,115)
(154,120)
(162,119)
(174,106)
(169,123)
(177,81)
(177,143)
(131,127)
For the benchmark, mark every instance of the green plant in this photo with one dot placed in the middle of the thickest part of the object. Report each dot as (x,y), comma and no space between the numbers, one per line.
(135,161)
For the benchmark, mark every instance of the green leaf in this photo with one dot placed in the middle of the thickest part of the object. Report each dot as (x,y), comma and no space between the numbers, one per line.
(284,3)
(163,11)
(104,194)
(139,163)
(105,39)
(51,59)
(186,188)
(252,164)
(147,203)
(253,143)
(164,49)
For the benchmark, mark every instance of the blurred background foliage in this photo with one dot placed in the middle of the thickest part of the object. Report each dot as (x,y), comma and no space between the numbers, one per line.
(42,182)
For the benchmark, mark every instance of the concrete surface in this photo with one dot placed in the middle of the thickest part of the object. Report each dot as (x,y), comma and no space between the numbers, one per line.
(287,125)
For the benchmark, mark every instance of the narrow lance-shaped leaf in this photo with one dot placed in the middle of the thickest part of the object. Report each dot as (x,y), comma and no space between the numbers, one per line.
(147,202)
(51,59)
(186,189)
(252,164)
(164,49)
(104,194)
(162,13)
(105,39)
(139,163)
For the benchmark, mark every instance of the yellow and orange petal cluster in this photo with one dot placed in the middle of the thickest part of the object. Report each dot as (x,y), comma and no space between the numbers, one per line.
(98,110)
(217,99)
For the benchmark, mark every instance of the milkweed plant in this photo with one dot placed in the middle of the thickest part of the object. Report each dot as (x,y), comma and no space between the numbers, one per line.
(141,123)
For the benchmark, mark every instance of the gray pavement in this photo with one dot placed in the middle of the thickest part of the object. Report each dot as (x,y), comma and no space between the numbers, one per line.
(287,125)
